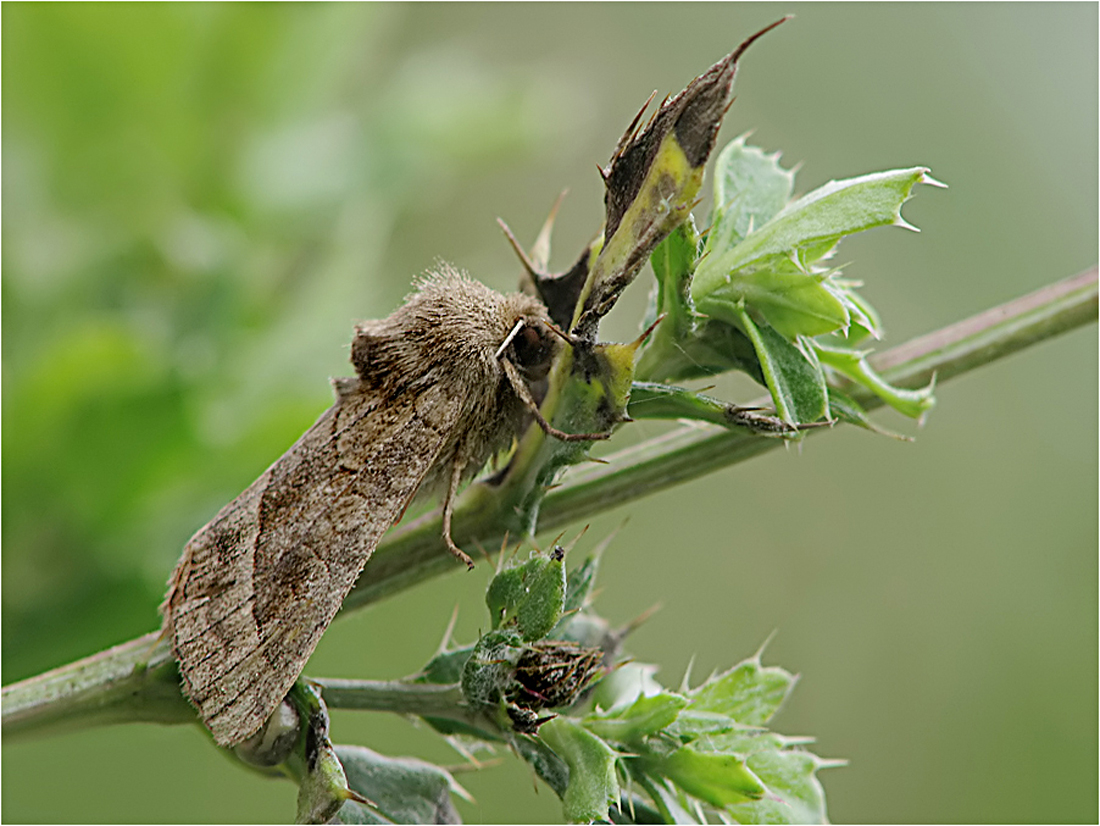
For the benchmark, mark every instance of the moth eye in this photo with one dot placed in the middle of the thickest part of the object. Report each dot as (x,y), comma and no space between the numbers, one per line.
(534,350)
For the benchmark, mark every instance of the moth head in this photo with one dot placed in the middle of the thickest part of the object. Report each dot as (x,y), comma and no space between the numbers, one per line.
(530,346)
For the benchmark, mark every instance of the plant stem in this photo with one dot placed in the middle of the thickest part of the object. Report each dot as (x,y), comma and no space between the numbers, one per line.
(137,681)
(400,697)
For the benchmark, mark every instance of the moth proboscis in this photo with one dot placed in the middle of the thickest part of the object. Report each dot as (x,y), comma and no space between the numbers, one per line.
(442,384)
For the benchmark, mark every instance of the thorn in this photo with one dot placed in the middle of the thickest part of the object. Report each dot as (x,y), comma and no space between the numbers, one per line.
(443,643)
(351,794)
(599,549)
(760,651)
(540,250)
(740,50)
(928,179)
(632,129)
(641,339)
(685,684)
(527,263)
(576,539)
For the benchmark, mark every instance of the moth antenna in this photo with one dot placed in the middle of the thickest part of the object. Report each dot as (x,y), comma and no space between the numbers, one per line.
(508,339)
(514,378)
(448,510)
(564,336)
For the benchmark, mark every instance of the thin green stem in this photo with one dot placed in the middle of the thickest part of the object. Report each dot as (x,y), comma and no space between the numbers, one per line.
(399,697)
(136,681)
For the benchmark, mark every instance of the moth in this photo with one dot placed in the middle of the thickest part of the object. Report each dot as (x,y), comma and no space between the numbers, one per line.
(441,385)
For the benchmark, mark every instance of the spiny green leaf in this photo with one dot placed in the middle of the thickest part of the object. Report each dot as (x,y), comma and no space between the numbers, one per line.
(796,383)
(673,263)
(794,793)
(403,789)
(807,229)
(579,585)
(645,717)
(749,693)
(750,188)
(853,364)
(792,302)
(626,684)
(718,779)
(545,762)
(531,594)
(593,786)
(848,410)
(446,667)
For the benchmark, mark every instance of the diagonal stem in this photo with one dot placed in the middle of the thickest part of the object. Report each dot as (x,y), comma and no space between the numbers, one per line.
(137,681)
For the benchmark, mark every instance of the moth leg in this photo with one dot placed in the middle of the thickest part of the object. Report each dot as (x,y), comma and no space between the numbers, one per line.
(448,510)
(516,380)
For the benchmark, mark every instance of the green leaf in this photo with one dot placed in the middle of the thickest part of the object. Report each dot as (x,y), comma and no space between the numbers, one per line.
(749,693)
(718,779)
(853,364)
(446,667)
(540,609)
(645,717)
(626,684)
(791,301)
(593,786)
(579,585)
(712,347)
(794,793)
(673,263)
(491,666)
(807,229)
(403,789)
(796,383)
(865,321)
(750,188)
(545,762)
(848,410)
(670,802)
(532,593)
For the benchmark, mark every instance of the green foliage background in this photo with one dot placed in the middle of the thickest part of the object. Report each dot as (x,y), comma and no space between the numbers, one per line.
(199,200)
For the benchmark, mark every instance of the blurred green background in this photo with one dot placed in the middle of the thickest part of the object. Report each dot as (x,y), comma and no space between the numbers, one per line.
(200,200)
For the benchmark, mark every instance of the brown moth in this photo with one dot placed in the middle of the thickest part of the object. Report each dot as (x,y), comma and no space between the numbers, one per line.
(442,384)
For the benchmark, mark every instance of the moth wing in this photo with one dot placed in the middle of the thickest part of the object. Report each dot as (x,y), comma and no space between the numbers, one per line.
(259,584)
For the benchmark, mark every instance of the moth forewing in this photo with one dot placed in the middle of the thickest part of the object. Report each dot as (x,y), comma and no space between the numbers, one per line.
(257,586)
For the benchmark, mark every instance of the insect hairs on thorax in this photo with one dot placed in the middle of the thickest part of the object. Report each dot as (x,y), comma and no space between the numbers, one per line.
(446,337)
